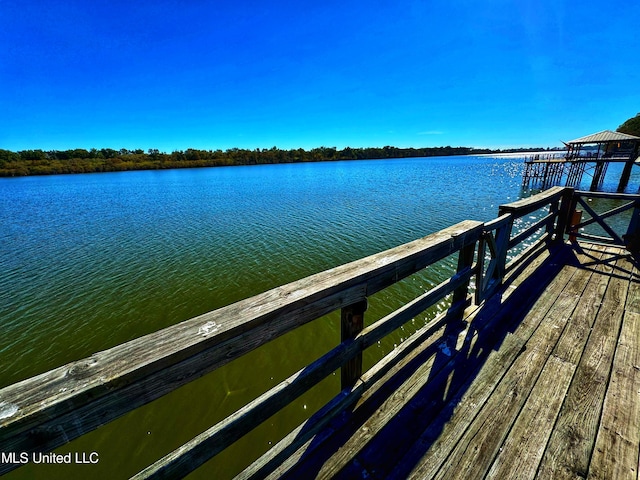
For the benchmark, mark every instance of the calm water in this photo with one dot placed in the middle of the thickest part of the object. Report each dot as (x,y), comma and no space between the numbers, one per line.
(91,261)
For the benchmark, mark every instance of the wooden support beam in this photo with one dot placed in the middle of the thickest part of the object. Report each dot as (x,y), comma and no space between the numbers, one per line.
(626,172)
(465,262)
(564,214)
(598,174)
(351,324)
(624,178)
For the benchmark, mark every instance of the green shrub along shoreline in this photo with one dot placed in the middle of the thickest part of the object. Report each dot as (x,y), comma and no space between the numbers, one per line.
(40,162)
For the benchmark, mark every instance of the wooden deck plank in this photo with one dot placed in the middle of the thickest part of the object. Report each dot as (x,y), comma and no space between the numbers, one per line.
(570,425)
(571,445)
(587,388)
(571,346)
(442,438)
(520,454)
(474,452)
(618,440)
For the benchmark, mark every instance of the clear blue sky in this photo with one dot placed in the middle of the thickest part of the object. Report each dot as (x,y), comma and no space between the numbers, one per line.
(172,74)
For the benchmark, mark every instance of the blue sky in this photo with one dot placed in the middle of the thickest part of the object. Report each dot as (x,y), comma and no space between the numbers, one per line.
(172,75)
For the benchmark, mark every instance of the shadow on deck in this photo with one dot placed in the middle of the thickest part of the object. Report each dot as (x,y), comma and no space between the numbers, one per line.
(529,384)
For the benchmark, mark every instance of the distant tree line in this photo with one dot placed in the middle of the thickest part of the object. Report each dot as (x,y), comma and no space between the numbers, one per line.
(631,126)
(40,162)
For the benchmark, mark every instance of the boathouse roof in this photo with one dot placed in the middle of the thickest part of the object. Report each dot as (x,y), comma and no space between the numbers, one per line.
(604,137)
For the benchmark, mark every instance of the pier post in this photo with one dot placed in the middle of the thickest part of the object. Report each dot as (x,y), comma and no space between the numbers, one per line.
(545,181)
(626,172)
(352,323)
(598,175)
(576,218)
(632,237)
(624,178)
(567,207)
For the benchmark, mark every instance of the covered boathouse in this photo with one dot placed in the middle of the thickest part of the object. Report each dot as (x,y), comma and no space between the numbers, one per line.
(591,154)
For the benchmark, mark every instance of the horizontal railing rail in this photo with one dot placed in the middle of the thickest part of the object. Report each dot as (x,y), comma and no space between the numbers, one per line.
(51,409)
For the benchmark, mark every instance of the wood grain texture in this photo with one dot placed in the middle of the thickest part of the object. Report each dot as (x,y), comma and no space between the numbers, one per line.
(473,453)
(571,445)
(618,441)
(533,203)
(520,453)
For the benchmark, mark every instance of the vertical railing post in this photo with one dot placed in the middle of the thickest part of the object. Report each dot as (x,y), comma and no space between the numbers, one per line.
(503,235)
(567,206)
(632,237)
(488,281)
(554,208)
(503,248)
(481,280)
(352,323)
(465,259)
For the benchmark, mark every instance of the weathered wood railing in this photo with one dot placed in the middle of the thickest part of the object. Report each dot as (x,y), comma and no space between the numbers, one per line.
(630,239)
(51,409)
(497,235)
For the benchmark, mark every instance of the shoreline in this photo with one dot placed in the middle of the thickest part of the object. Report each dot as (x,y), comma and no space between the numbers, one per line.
(38,162)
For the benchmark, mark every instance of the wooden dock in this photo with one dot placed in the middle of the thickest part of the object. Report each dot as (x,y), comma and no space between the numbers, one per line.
(569,172)
(544,171)
(532,372)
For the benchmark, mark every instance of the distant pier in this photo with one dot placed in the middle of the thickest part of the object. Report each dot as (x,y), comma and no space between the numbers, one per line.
(590,155)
